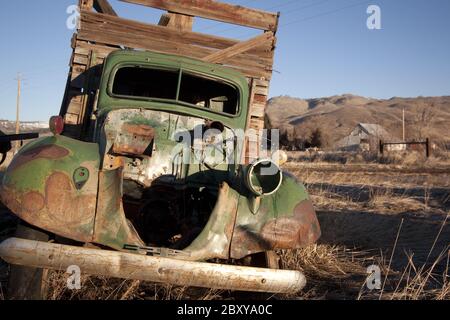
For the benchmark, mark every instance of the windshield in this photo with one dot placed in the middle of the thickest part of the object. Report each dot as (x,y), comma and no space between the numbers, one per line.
(176,85)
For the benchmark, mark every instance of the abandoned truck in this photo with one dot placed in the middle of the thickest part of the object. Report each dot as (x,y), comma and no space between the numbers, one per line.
(125,187)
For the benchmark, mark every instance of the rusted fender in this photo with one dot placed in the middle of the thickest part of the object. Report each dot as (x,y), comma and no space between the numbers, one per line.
(146,268)
(52,184)
(284,220)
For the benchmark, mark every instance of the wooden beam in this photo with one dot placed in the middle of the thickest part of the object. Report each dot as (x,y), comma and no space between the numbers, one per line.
(165,19)
(181,22)
(103,6)
(214,10)
(86,4)
(239,48)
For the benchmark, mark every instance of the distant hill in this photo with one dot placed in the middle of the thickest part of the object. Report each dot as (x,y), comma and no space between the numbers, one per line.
(336,116)
(9,127)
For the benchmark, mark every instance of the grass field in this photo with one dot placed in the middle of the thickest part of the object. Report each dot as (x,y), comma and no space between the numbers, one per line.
(391,216)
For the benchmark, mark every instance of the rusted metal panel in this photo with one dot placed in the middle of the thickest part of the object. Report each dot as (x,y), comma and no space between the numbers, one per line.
(111,227)
(215,240)
(40,187)
(285,220)
(134,139)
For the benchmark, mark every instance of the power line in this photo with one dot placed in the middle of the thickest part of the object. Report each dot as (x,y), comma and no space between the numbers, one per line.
(316,16)
(291,11)
(215,25)
(326,13)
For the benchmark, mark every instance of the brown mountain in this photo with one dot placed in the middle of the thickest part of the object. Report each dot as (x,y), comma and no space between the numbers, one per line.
(336,116)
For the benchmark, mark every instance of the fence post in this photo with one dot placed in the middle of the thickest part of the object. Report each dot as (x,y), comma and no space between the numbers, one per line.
(381,147)
(428,147)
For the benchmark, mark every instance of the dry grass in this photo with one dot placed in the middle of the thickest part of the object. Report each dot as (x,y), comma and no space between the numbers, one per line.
(361,212)
(404,159)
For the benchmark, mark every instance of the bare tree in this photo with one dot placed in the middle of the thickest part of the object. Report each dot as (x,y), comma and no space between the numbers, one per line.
(423,119)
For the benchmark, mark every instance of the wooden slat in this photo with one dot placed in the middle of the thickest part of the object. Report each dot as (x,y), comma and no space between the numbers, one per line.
(259,68)
(257,110)
(164,20)
(103,6)
(215,10)
(116,31)
(259,98)
(86,4)
(181,22)
(239,48)
(257,124)
(106,23)
(262,90)
(80,59)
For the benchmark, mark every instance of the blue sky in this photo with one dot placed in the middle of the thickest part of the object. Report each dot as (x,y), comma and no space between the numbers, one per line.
(324,48)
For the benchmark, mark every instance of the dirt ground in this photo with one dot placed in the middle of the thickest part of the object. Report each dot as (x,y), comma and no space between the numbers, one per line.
(393,217)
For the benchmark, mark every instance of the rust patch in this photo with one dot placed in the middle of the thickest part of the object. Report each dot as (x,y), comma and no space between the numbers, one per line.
(61,210)
(139,130)
(41,152)
(134,139)
(33,202)
(300,230)
(294,232)
(63,204)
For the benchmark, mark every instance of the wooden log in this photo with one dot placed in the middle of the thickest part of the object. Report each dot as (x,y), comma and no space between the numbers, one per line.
(215,10)
(147,268)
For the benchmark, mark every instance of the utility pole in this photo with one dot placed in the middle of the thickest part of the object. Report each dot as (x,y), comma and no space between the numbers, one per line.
(19,83)
(404,135)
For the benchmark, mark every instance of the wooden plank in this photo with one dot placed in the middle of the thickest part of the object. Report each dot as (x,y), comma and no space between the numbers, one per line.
(164,20)
(239,48)
(113,34)
(106,23)
(262,83)
(215,10)
(257,124)
(257,110)
(86,4)
(138,41)
(80,59)
(262,90)
(181,22)
(103,6)
(259,98)
(143,41)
